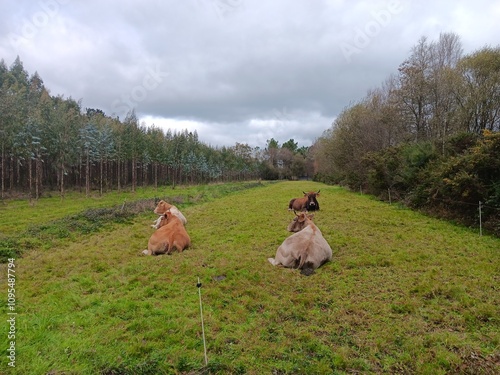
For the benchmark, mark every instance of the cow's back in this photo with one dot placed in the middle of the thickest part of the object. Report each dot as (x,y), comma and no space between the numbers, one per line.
(178,236)
(297,204)
(172,235)
(306,250)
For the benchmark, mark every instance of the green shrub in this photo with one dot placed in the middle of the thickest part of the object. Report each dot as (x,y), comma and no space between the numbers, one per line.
(9,248)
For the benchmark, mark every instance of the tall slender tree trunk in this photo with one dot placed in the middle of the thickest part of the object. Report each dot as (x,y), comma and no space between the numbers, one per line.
(80,173)
(156,175)
(30,179)
(106,175)
(125,172)
(38,177)
(100,176)
(118,174)
(11,182)
(174,176)
(134,174)
(61,181)
(87,176)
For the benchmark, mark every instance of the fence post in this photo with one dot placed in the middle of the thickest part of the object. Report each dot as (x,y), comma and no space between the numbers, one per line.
(202,325)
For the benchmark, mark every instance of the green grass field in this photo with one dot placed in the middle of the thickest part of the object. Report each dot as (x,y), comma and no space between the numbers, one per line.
(404,294)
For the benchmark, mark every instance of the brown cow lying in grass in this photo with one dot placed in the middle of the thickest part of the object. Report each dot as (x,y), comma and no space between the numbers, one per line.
(306,249)
(163,207)
(306,203)
(171,235)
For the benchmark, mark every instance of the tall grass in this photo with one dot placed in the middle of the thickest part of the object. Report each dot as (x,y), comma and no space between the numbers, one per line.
(404,294)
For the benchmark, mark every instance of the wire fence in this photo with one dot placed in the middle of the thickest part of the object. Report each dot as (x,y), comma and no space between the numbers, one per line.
(480,207)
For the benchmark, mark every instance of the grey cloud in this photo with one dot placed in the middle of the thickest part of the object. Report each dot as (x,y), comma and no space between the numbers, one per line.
(230,66)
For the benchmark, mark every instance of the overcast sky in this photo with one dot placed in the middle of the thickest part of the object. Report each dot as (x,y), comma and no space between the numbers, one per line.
(235,70)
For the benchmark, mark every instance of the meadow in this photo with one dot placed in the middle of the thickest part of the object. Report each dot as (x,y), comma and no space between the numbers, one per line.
(404,293)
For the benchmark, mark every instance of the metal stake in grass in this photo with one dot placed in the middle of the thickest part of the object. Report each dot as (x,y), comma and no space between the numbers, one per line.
(202,325)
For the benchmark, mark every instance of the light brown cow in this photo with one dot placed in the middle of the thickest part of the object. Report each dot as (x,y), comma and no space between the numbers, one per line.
(163,207)
(170,236)
(306,249)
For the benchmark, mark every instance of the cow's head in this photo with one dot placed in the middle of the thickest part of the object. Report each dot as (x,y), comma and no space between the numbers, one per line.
(312,203)
(162,207)
(163,221)
(299,222)
(165,218)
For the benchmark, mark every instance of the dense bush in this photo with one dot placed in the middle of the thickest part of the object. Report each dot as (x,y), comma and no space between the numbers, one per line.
(449,185)
(397,169)
(460,182)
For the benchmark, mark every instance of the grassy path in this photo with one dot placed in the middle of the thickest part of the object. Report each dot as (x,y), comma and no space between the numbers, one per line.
(404,294)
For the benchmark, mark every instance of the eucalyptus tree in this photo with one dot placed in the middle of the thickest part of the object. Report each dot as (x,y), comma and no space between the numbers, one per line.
(88,141)
(120,152)
(203,166)
(155,140)
(7,123)
(190,166)
(14,118)
(145,162)
(19,73)
(132,143)
(105,153)
(176,156)
(213,164)
(29,149)
(231,163)
(62,122)
(35,90)
(104,148)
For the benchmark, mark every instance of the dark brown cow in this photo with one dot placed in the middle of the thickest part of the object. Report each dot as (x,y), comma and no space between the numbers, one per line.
(170,235)
(307,203)
(306,249)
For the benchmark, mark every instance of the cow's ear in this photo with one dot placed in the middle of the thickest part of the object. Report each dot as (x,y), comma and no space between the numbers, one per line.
(305,194)
(318,192)
(311,216)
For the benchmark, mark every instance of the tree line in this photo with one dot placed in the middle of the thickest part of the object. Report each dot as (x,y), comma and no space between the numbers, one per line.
(51,143)
(429,136)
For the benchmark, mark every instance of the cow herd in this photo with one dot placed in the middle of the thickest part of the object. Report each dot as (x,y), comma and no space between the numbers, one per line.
(306,249)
